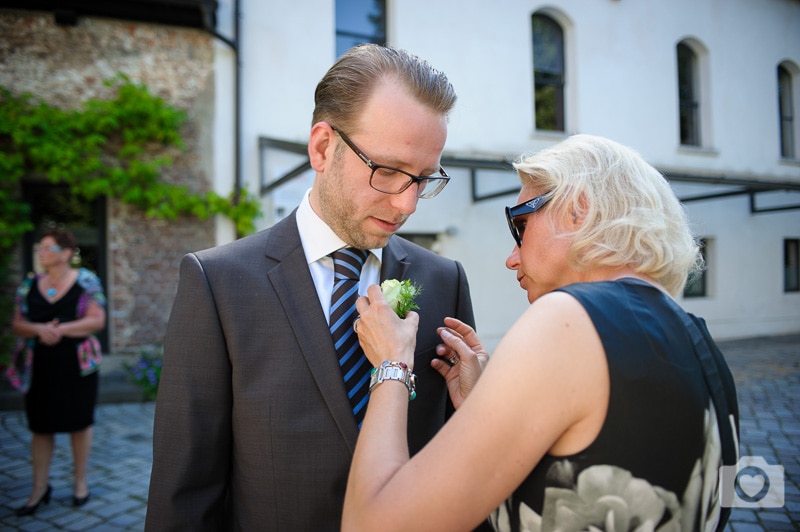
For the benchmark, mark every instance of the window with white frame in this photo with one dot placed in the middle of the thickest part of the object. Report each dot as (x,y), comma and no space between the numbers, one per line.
(358,22)
(548,73)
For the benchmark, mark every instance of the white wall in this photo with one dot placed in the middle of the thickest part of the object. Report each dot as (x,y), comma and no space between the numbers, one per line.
(621,83)
(746,295)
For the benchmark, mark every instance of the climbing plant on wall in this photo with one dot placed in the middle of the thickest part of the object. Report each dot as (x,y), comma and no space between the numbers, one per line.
(115,148)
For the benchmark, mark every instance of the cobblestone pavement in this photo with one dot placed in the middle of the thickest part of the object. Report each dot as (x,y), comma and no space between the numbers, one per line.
(119,473)
(767,372)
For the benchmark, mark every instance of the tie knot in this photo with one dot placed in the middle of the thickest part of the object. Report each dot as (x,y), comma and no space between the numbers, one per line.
(347,262)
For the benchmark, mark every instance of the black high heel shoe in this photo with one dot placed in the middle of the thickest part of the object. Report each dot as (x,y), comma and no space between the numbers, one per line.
(80,501)
(30,510)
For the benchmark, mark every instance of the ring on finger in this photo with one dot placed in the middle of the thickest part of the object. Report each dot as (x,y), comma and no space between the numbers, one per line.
(355,325)
(454,359)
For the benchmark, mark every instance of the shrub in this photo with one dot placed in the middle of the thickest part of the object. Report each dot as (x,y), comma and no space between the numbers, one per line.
(146,373)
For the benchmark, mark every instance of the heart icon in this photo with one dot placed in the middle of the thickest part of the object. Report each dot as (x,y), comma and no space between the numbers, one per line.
(751,484)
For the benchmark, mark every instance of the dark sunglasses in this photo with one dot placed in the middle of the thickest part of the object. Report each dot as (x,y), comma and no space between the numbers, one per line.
(517,227)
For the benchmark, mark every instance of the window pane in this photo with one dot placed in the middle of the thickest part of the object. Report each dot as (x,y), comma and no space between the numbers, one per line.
(426,240)
(791,260)
(688,104)
(786,112)
(546,99)
(548,46)
(345,42)
(696,286)
(548,73)
(359,21)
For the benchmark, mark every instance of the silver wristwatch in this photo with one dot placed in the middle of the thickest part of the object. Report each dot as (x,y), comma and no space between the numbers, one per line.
(394,371)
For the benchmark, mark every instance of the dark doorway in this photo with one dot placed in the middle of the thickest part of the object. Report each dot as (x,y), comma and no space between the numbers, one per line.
(56,205)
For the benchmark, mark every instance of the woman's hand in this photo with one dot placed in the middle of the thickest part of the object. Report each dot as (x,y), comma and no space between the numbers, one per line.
(381,333)
(49,333)
(460,340)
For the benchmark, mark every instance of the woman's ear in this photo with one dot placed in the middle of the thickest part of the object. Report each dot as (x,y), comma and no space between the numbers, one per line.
(319,144)
(579,211)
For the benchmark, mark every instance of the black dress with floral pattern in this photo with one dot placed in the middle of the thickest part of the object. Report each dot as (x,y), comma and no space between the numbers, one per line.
(655,462)
(60,398)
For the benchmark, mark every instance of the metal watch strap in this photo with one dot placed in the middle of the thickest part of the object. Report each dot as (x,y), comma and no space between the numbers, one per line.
(394,371)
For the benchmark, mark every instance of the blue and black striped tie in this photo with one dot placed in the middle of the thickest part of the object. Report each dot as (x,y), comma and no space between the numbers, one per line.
(347,264)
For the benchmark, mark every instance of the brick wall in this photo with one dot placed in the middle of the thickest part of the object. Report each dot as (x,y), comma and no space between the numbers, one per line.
(65,66)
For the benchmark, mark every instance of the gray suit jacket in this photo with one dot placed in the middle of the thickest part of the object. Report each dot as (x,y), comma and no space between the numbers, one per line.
(253,428)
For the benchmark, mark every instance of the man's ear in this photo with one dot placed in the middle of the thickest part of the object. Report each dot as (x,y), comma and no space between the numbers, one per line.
(320,145)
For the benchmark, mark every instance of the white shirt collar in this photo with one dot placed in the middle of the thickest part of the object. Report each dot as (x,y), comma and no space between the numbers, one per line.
(317,237)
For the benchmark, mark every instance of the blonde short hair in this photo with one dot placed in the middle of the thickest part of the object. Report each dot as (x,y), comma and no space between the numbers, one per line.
(631,216)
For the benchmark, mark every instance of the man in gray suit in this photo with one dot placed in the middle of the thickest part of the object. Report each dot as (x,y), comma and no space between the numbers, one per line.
(253,426)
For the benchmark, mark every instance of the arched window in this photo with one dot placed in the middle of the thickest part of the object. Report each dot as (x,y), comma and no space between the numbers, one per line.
(548,73)
(688,95)
(786,112)
(359,21)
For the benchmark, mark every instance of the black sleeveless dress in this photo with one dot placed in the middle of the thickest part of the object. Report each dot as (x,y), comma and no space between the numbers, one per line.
(656,459)
(59,399)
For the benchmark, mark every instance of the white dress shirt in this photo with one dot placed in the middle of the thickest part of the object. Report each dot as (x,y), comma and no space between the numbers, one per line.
(319,241)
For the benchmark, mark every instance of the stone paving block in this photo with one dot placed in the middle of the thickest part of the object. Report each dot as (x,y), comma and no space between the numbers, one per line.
(85,522)
(120,492)
(743,515)
(127,520)
(779,527)
(66,519)
(744,527)
(774,516)
(33,526)
(107,527)
(116,508)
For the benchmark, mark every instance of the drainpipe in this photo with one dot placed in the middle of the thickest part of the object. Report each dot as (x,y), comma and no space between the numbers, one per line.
(237,78)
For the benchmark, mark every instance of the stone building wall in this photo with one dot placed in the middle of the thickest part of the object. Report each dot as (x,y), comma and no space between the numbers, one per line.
(64,66)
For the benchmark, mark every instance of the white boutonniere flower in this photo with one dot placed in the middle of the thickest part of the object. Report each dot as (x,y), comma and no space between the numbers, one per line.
(400,295)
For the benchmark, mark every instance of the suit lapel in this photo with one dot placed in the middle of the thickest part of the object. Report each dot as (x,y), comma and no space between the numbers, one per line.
(394,264)
(294,286)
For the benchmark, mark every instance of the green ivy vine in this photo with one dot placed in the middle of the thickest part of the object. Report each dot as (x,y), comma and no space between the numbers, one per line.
(115,148)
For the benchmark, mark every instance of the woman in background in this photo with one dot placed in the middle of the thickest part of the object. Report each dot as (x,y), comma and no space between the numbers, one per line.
(57,313)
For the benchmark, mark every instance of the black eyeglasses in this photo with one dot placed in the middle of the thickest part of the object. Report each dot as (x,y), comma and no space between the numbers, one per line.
(526,207)
(386,179)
